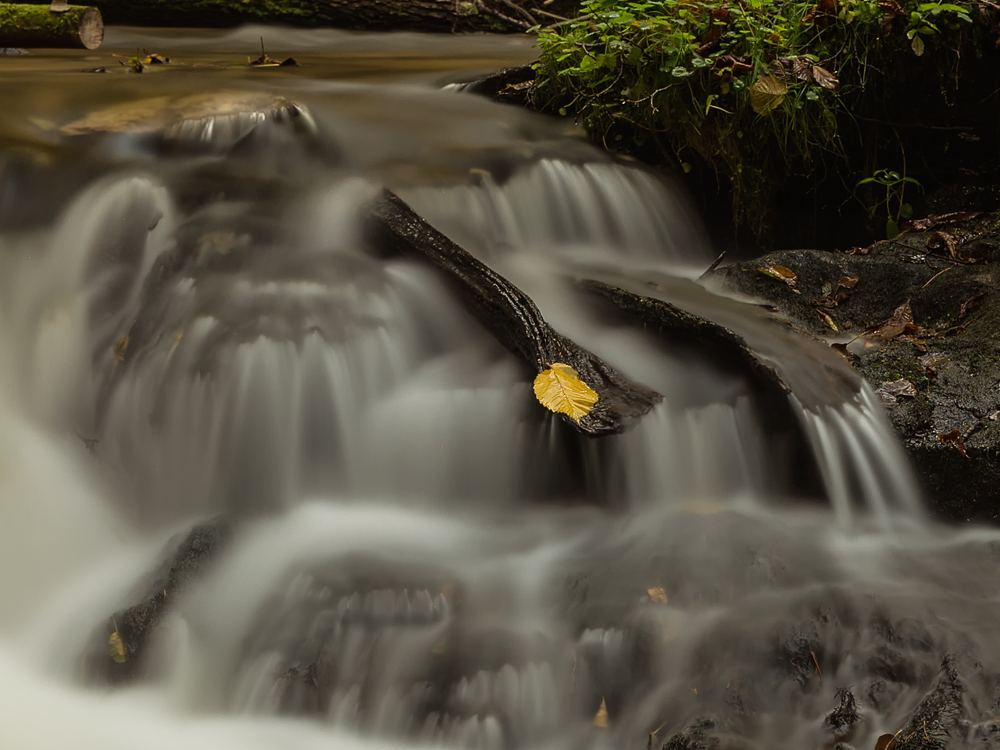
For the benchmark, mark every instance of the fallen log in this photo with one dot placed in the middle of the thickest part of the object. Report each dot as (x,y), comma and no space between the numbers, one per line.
(448,16)
(37,26)
(511,316)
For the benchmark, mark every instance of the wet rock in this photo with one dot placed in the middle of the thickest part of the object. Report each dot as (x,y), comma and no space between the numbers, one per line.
(136,624)
(948,410)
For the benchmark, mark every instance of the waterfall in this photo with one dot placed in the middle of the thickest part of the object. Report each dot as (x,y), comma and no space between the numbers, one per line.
(202,332)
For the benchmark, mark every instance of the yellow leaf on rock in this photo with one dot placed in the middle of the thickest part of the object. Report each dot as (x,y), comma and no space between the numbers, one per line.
(560,389)
(657,594)
(116,649)
(767,94)
(601,720)
(781,273)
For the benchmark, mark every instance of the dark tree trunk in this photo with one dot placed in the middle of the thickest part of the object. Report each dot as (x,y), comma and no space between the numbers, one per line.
(37,26)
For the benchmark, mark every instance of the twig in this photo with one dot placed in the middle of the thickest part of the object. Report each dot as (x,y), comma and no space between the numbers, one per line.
(948,268)
(715,264)
(553,15)
(818,670)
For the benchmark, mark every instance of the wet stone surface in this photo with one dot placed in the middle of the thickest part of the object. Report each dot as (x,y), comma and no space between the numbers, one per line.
(939,377)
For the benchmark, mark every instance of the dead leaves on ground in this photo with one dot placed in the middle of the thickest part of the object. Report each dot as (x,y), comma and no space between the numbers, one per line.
(560,389)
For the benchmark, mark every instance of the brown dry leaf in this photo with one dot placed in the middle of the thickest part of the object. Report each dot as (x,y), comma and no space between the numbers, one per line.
(780,273)
(931,361)
(657,594)
(886,742)
(848,282)
(120,347)
(954,438)
(942,241)
(970,304)
(560,389)
(899,321)
(940,220)
(901,387)
(601,719)
(116,649)
(891,10)
(767,94)
(862,250)
(825,78)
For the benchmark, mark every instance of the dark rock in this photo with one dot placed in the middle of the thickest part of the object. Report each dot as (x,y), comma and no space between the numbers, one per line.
(951,427)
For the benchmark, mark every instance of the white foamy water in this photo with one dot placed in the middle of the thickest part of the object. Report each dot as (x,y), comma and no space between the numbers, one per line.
(420,556)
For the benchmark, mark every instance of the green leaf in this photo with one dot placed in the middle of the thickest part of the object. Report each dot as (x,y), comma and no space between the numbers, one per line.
(917,45)
(891,229)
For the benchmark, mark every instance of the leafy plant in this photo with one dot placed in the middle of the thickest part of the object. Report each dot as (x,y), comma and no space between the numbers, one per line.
(754,89)
(893,199)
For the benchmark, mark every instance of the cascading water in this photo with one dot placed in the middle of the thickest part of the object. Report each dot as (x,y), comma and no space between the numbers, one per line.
(195,326)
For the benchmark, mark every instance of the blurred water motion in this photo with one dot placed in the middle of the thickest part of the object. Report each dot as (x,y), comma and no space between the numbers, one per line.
(194,322)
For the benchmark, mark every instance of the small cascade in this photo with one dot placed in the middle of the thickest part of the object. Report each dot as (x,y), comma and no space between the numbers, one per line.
(204,334)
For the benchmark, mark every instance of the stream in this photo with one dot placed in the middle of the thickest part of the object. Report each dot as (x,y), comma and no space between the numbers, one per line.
(196,328)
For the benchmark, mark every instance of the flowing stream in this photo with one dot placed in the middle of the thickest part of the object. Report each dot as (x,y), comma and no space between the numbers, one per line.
(195,325)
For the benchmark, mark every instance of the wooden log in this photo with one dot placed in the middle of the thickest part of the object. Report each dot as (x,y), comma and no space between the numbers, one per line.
(36,26)
(511,316)
(448,16)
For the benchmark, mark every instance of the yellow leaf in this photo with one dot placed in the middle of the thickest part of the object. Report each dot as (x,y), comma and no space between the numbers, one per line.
(601,719)
(767,94)
(116,648)
(560,389)
(657,594)
(121,346)
(781,273)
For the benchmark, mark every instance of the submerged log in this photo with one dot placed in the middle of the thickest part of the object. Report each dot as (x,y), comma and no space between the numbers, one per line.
(511,316)
(37,26)
(708,336)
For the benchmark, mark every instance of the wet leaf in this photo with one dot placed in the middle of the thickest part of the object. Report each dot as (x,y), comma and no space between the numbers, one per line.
(886,742)
(917,45)
(601,719)
(824,78)
(120,348)
(954,438)
(154,59)
(828,320)
(116,649)
(560,389)
(780,273)
(657,595)
(901,387)
(767,94)
(898,322)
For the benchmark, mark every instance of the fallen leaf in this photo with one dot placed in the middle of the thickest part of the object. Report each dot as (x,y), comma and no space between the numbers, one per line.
(120,347)
(601,720)
(657,595)
(931,361)
(899,321)
(954,438)
(824,78)
(828,320)
(942,241)
(848,282)
(862,250)
(780,273)
(767,94)
(940,220)
(116,649)
(970,304)
(886,742)
(560,389)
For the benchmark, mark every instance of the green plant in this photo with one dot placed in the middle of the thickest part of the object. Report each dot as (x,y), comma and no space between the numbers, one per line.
(756,90)
(893,199)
